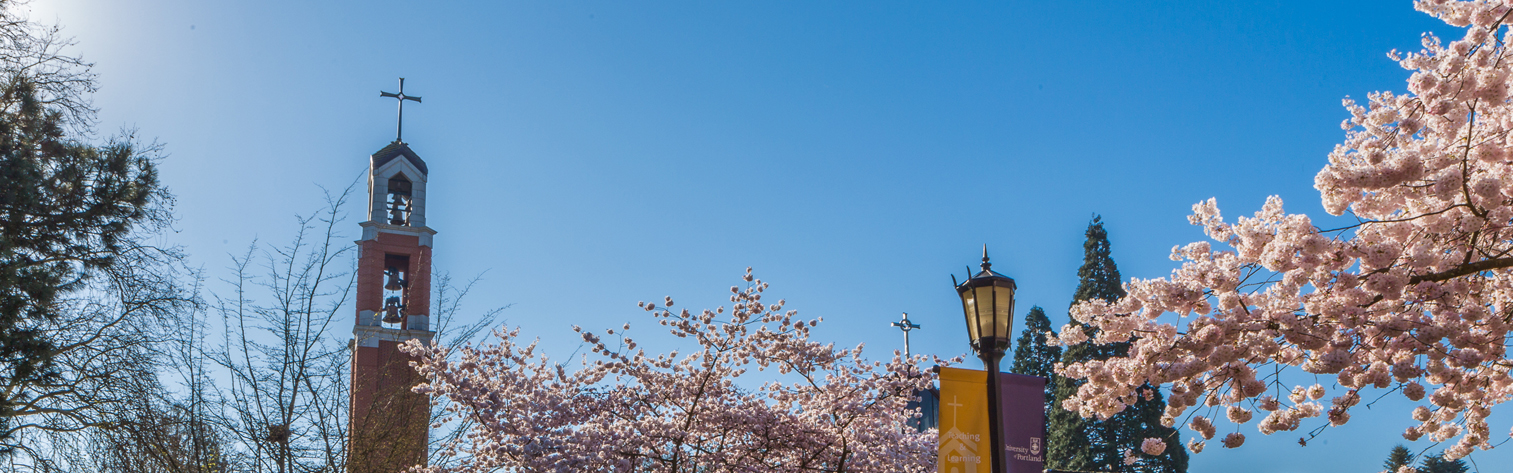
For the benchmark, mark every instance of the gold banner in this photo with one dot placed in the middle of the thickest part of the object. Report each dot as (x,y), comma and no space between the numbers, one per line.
(964,442)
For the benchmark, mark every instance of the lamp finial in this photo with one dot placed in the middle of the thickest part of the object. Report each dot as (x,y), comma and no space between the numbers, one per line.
(985,263)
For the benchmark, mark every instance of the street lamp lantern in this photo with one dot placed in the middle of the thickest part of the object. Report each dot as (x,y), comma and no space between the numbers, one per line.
(987,298)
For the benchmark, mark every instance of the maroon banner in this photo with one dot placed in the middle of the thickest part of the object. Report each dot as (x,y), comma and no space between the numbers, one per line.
(1021,407)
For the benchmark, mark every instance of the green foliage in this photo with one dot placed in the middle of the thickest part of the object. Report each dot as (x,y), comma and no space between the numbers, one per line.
(1438,464)
(1068,446)
(1032,356)
(1143,421)
(1398,458)
(1075,443)
(1099,276)
(66,212)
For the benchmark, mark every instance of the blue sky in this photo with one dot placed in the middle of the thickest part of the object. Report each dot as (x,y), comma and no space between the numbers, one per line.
(855,153)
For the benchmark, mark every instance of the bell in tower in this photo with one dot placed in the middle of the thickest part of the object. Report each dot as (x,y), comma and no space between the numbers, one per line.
(392,309)
(395,292)
(394,302)
(399,200)
(395,282)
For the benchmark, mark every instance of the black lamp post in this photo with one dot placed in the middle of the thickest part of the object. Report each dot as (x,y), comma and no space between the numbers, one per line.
(988,300)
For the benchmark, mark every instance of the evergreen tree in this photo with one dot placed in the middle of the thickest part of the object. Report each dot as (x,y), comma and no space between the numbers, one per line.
(1438,464)
(1142,421)
(1068,446)
(1076,443)
(1099,276)
(1031,354)
(67,212)
(1398,458)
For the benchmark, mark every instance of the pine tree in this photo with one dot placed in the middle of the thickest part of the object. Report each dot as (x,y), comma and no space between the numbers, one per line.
(1073,442)
(1099,276)
(1068,446)
(1142,421)
(1032,356)
(1438,464)
(1076,443)
(67,213)
(1398,458)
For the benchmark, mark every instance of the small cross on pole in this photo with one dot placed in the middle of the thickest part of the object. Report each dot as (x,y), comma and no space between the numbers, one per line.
(401,98)
(906,326)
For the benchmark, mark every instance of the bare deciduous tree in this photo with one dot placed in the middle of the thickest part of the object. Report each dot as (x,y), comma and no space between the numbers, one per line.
(286,352)
(107,349)
(86,298)
(286,385)
(35,51)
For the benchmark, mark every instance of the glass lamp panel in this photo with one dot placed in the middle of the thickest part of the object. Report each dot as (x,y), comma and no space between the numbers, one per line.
(1003,308)
(985,322)
(969,306)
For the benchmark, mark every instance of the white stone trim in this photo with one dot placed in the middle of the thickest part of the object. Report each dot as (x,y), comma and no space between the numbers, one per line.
(368,318)
(369,336)
(420,322)
(370,231)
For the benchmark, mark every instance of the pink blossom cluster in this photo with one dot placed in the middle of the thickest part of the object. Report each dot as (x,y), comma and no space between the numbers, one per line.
(623,409)
(1195,445)
(1234,440)
(1152,446)
(1416,298)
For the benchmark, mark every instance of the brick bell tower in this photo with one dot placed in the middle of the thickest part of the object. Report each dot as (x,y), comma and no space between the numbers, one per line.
(389,424)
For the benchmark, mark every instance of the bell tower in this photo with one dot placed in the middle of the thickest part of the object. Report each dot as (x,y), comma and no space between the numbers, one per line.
(388,428)
(389,424)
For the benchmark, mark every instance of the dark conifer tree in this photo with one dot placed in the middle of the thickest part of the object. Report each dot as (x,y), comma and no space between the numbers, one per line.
(1143,421)
(1068,446)
(1438,464)
(1080,444)
(1398,458)
(1076,443)
(1032,356)
(67,210)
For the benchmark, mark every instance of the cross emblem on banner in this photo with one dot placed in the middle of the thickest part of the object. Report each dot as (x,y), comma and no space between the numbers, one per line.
(954,405)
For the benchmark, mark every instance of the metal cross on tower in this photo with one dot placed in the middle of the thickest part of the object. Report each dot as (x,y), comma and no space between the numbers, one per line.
(401,98)
(906,326)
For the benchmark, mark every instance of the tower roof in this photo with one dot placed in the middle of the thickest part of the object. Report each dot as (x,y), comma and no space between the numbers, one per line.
(395,150)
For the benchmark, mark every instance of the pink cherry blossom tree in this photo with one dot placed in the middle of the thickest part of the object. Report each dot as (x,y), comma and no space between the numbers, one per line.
(622,409)
(1415,299)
